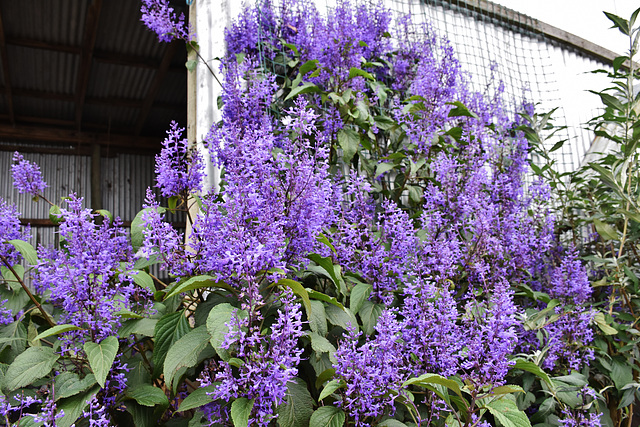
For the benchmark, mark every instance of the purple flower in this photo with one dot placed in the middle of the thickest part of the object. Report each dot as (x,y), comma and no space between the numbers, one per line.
(89,267)
(269,361)
(374,371)
(159,17)
(10,230)
(179,169)
(27,177)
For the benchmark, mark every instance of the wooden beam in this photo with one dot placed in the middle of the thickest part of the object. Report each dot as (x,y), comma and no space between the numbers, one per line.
(110,101)
(4,57)
(84,72)
(115,58)
(44,45)
(155,85)
(506,15)
(38,134)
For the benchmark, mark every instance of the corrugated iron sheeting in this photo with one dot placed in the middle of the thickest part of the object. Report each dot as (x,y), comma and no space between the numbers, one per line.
(126,34)
(57,21)
(174,86)
(49,108)
(109,80)
(119,119)
(43,70)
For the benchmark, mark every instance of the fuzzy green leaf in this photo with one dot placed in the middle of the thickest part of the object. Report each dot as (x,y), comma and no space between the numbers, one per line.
(101,357)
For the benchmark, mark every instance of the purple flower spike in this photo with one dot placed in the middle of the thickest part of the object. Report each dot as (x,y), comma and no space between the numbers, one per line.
(178,168)
(159,17)
(27,177)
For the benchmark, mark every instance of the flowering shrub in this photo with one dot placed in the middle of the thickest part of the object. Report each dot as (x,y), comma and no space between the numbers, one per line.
(371,256)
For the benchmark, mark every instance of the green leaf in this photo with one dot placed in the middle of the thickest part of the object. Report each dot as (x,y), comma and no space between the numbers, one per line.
(621,373)
(507,413)
(331,271)
(320,344)
(312,64)
(393,423)
(142,278)
(58,329)
(318,318)
(304,88)
(460,110)
(603,325)
(169,329)
(605,231)
(327,416)
(69,384)
(54,214)
(382,168)
(137,237)
(197,398)
(617,63)
(299,290)
(26,250)
(359,294)
(145,327)
(343,318)
(197,282)
(105,214)
(324,297)
(369,313)
(185,352)
(429,379)
(101,357)
(355,72)
(525,365)
(329,388)
(73,407)
(619,23)
(610,101)
(33,364)
(298,406)
(191,64)
(241,411)
(507,389)
(218,317)
(349,141)
(148,395)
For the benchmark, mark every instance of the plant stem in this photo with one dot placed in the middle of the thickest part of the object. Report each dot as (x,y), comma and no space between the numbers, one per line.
(26,289)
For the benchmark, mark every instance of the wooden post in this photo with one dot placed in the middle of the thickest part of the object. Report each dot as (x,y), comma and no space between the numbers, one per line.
(192,113)
(96,177)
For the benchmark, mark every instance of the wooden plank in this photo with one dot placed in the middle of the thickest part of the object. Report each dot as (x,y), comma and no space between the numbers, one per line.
(84,72)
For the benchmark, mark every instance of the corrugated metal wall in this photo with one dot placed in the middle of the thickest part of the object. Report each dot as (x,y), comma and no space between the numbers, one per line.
(125,180)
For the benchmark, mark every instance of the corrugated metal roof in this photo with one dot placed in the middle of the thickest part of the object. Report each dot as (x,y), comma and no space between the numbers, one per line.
(49,83)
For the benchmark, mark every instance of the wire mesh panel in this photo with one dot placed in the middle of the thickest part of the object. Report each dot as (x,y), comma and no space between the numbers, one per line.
(494,46)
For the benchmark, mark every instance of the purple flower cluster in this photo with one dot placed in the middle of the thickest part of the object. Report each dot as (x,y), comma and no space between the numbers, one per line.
(160,18)
(160,238)
(382,253)
(579,417)
(10,230)
(374,371)
(339,41)
(179,169)
(276,192)
(88,266)
(268,361)
(27,177)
